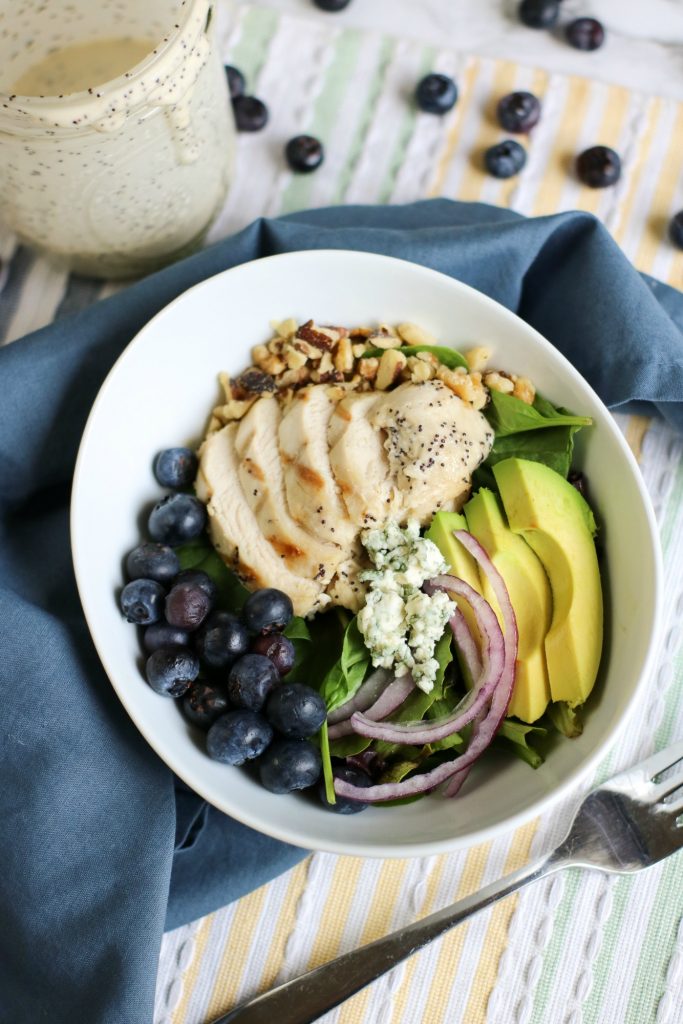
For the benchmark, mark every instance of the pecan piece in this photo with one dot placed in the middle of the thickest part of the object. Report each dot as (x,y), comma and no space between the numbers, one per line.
(308,333)
(254,382)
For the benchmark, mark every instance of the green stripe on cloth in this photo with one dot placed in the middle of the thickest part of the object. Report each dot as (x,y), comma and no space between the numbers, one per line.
(249,53)
(356,145)
(405,132)
(553,952)
(337,80)
(602,965)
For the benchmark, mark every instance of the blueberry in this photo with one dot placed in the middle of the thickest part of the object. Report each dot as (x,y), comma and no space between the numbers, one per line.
(267,611)
(236,82)
(222,639)
(539,13)
(585,34)
(343,805)
(152,562)
(304,153)
(598,167)
(296,710)
(171,670)
(251,114)
(250,681)
(278,648)
(519,111)
(177,519)
(331,5)
(237,737)
(142,601)
(187,605)
(505,159)
(290,764)
(175,467)
(676,229)
(436,94)
(160,634)
(201,579)
(203,704)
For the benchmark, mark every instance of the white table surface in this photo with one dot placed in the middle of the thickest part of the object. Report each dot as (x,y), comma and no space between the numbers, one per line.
(643,50)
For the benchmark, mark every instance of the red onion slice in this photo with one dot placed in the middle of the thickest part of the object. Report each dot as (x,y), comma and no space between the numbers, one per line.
(466,644)
(364,697)
(486,729)
(389,701)
(475,700)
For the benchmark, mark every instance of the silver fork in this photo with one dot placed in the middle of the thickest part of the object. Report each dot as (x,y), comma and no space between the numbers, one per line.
(627,824)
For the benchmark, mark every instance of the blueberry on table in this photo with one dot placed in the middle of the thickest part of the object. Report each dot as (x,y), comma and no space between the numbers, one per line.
(236,83)
(585,34)
(171,670)
(161,634)
(187,605)
(539,13)
(518,111)
(238,736)
(436,94)
(201,579)
(278,648)
(152,562)
(267,611)
(250,681)
(142,601)
(598,167)
(251,114)
(204,703)
(175,467)
(331,5)
(222,640)
(676,229)
(290,764)
(304,153)
(177,519)
(296,710)
(343,805)
(505,159)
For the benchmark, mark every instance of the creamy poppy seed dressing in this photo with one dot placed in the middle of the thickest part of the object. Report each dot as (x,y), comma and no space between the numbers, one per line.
(117,178)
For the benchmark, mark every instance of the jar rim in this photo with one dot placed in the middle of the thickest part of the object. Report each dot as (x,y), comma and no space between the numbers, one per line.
(50,110)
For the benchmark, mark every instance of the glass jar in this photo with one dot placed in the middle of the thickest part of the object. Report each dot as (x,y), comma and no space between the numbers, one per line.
(124,161)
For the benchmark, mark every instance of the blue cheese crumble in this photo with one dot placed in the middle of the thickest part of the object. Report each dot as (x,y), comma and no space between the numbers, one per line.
(400,624)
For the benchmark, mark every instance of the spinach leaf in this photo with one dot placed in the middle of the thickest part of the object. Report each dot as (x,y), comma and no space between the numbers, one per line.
(327,764)
(516,735)
(509,415)
(345,676)
(201,555)
(346,746)
(297,629)
(448,356)
(315,657)
(554,447)
(567,720)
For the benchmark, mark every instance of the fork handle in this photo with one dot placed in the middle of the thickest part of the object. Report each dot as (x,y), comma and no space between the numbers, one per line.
(308,997)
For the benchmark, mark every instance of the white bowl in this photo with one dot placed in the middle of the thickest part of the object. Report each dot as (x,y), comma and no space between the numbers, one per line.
(159,393)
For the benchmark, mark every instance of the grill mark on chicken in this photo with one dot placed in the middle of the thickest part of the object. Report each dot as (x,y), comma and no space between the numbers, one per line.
(309,476)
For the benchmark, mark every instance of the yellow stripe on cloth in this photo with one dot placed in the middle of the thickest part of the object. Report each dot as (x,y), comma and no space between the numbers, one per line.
(616,106)
(475,175)
(639,161)
(193,970)
(563,152)
(660,209)
(332,922)
(236,952)
(464,101)
(496,937)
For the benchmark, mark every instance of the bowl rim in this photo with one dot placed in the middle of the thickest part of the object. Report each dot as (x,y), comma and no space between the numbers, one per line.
(293,836)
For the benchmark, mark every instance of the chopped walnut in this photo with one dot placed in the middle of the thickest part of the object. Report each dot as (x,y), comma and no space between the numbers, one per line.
(463,386)
(418,370)
(233,410)
(414,335)
(368,368)
(524,390)
(390,366)
(477,358)
(293,358)
(343,359)
(495,381)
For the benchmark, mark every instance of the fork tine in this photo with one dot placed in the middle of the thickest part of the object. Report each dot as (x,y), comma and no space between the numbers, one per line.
(662,760)
(669,785)
(674,808)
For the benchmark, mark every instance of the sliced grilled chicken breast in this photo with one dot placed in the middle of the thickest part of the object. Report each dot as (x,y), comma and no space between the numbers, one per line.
(359,461)
(262,478)
(234,530)
(312,493)
(434,442)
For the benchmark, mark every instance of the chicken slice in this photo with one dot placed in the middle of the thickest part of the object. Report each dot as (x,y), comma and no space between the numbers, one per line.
(262,479)
(234,531)
(434,442)
(346,589)
(312,493)
(359,461)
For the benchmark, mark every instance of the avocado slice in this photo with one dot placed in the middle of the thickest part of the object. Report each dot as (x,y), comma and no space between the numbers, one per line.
(557,523)
(460,564)
(529,590)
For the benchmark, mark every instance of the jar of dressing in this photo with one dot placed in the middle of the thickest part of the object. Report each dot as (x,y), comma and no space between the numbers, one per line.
(116,130)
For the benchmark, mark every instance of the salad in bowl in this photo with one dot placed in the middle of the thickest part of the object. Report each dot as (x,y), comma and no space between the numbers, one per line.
(378,564)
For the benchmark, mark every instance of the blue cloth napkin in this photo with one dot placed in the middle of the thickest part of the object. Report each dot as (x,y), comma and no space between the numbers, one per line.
(101,849)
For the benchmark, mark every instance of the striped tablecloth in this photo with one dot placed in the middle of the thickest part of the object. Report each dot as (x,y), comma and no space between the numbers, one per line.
(580,947)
